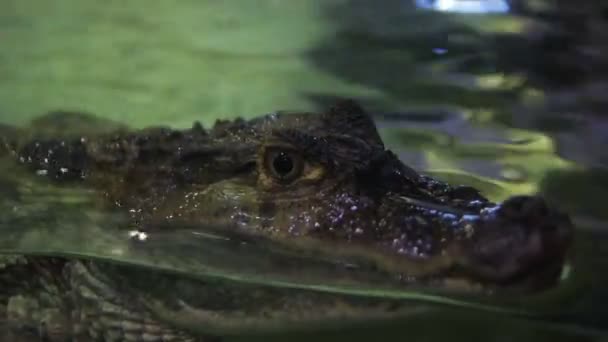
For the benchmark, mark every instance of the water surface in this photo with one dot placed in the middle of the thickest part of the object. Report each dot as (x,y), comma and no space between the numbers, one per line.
(507,102)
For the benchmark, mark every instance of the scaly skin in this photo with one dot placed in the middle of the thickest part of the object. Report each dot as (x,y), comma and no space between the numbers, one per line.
(303,179)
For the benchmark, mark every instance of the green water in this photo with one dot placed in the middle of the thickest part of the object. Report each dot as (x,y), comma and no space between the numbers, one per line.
(481,103)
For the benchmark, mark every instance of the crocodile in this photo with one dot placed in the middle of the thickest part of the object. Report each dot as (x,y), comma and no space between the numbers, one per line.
(304,179)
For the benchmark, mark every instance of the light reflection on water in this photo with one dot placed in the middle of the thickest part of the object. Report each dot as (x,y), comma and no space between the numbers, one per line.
(465,6)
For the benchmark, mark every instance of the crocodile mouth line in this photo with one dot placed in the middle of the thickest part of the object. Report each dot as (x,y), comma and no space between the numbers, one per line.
(458,279)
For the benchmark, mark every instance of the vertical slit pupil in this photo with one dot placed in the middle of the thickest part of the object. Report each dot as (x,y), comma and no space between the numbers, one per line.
(283,164)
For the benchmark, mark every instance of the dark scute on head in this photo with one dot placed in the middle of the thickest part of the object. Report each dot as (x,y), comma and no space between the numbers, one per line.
(348,139)
(394,175)
(223,128)
(197,128)
(351,141)
(352,152)
(348,117)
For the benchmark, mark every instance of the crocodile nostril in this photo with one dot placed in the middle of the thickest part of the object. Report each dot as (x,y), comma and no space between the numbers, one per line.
(512,208)
(525,237)
(465,192)
(531,211)
(563,228)
(535,207)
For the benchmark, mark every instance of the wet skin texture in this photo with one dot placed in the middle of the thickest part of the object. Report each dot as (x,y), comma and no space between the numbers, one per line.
(302,179)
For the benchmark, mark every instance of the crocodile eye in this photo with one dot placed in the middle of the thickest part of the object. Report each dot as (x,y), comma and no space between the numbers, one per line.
(284,165)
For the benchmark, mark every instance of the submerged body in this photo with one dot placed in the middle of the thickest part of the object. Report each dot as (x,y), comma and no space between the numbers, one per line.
(322,181)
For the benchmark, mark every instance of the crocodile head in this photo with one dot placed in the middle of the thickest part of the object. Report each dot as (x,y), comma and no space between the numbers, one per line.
(320,182)
(326,180)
